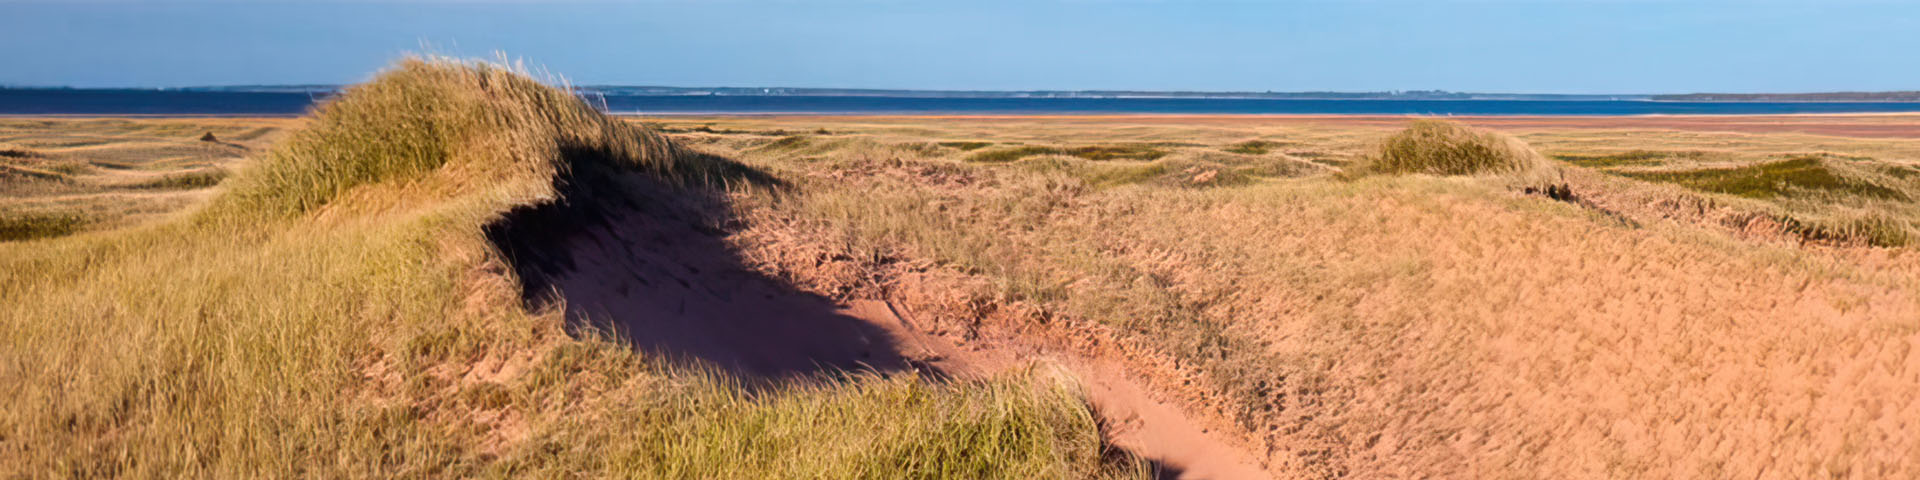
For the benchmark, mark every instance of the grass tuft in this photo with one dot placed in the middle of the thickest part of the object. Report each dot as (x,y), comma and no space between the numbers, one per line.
(1438,147)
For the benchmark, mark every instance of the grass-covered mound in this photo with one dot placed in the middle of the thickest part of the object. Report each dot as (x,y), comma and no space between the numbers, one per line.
(337,312)
(1438,147)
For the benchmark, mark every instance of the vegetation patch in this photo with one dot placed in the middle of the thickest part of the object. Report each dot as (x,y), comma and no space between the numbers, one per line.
(10,151)
(185,180)
(790,142)
(1437,147)
(1787,178)
(1253,147)
(1875,228)
(1089,152)
(31,225)
(1169,172)
(966,146)
(708,128)
(1630,157)
(30,172)
(1900,171)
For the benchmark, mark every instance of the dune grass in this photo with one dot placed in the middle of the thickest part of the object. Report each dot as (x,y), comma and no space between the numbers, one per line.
(191,179)
(1253,147)
(966,146)
(31,225)
(1438,147)
(1089,152)
(335,311)
(1796,176)
(1628,158)
(10,151)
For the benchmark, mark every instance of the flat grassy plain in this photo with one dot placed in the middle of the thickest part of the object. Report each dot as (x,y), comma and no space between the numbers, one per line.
(1660,297)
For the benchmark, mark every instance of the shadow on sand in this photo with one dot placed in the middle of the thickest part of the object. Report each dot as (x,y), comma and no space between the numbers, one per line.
(627,251)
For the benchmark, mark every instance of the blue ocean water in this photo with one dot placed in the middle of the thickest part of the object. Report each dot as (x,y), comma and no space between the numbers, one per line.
(179,102)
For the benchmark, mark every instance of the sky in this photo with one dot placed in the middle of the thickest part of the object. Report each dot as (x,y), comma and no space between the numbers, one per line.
(1539,46)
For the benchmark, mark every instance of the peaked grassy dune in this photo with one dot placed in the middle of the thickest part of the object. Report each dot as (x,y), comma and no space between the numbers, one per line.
(337,311)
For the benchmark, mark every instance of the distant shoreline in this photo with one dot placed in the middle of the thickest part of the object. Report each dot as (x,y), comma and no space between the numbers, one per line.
(321,91)
(273,103)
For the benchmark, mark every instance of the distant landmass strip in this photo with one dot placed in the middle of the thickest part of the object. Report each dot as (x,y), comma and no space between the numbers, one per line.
(1904,96)
(625,90)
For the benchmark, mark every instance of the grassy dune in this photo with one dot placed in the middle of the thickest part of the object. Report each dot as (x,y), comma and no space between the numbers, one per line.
(334,310)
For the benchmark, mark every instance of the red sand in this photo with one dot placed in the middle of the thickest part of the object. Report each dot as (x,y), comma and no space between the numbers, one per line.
(652,266)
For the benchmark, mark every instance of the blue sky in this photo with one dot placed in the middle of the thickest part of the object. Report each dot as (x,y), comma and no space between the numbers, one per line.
(1491,46)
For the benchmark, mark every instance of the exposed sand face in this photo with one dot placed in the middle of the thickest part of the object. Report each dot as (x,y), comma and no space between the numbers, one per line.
(650,265)
(653,264)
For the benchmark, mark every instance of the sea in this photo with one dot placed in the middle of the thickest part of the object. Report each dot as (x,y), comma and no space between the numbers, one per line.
(284,103)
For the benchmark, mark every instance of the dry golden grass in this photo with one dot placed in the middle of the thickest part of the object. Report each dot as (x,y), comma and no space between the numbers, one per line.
(334,310)
(1438,147)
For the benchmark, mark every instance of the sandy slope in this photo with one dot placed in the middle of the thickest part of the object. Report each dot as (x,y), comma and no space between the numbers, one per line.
(653,264)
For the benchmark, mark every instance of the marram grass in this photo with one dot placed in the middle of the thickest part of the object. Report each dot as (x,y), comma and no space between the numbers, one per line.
(336,312)
(1438,147)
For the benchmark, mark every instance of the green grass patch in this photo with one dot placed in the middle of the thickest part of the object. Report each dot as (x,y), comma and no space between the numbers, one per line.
(1011,154)
(966,146)
(27,226)
(1179,173)
(185,180)
(1253,147)
(790,142)
(1628,158)
(1089,152)
(1786,178)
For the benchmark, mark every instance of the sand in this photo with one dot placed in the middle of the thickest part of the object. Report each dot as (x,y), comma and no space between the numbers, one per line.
(652,264)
